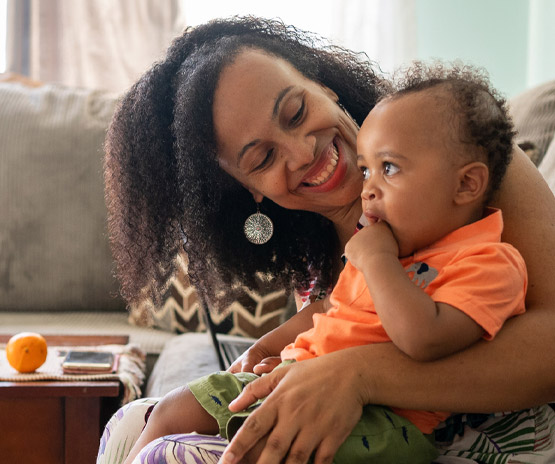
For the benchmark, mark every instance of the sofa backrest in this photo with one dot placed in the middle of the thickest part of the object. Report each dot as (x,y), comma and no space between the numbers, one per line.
(54,251)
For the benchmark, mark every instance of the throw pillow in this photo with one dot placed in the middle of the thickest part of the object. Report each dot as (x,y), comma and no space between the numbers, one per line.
(252,314)
(533,113)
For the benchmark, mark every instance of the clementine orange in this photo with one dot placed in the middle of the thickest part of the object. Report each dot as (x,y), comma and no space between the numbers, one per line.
(26,351)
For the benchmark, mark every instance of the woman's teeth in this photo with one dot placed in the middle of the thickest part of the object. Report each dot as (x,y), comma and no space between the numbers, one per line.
(326,173)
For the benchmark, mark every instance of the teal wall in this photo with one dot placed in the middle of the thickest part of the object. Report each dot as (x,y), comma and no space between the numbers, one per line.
(512,39)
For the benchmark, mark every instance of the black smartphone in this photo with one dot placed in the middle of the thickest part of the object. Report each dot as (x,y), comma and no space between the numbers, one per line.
(88,361)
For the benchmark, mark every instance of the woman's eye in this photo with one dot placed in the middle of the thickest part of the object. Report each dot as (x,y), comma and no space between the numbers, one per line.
(268,158)
(365,173)
(298,115)
(389,169)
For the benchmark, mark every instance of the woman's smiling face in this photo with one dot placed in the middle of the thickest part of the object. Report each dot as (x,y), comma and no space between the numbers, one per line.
(284,137)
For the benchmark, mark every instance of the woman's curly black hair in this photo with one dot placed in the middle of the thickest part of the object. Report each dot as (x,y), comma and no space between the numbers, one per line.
(480,112)
(165,189)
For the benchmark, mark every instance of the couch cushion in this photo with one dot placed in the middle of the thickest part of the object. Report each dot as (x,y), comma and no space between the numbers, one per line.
(533,113)
(54,252)
(184,358)
(547,166)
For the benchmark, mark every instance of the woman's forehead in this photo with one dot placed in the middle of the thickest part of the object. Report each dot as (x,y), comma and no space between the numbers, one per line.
(247,95)
(257,70)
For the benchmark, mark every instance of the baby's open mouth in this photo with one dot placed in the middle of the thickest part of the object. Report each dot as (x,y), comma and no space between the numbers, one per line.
(326,172)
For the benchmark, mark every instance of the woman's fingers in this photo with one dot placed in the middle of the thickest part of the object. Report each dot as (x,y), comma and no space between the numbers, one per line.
(259,388)
(327,449)
(310,408)
(302,448)
(253,431)
(278,443)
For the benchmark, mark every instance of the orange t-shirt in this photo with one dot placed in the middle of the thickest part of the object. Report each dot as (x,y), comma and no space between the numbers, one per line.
(469,269)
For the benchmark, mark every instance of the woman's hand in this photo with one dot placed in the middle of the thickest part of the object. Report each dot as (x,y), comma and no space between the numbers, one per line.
(311,407)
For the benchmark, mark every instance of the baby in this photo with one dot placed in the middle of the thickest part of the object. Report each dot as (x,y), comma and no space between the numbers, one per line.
(428,272)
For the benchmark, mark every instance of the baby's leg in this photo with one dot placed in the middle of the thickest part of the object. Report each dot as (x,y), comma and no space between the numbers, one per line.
(177,412)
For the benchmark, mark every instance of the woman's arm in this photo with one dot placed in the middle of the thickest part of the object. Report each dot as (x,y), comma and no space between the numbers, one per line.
(514,371)
(517,369)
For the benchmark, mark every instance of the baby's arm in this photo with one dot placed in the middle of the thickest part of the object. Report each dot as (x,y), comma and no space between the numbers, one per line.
(263,356)
(420,327)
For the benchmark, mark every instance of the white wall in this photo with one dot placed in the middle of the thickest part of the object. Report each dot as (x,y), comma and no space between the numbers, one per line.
(513,39)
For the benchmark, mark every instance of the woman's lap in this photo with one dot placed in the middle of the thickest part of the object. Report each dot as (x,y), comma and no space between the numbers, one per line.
(123,429)
(526,436)
(521,437)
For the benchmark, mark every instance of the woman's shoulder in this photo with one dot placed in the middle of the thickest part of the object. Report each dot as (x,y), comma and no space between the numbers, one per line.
(529,216)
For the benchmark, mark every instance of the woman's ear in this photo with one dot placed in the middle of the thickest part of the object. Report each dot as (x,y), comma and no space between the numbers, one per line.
(329,92)
(258,197)
(473,183)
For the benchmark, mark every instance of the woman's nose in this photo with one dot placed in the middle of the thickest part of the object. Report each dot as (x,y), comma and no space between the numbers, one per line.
(300,152)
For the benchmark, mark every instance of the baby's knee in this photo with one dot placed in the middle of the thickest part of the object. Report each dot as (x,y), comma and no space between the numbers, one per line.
(169,409)
(180,412)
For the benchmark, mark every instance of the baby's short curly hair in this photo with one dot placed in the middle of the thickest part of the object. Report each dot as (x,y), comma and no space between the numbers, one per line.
(484,121)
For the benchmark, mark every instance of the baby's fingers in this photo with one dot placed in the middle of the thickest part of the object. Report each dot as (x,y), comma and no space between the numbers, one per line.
(267,365)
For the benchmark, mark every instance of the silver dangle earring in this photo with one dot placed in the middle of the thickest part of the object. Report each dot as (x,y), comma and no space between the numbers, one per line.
(258,228)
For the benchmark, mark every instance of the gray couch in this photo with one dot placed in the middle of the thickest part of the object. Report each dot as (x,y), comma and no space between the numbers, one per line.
(56,272)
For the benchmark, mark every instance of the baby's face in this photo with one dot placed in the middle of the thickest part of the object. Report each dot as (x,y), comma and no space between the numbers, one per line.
(406,154)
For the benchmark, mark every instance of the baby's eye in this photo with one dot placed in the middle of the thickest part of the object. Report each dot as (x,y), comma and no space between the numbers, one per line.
(390,169)
(365,173)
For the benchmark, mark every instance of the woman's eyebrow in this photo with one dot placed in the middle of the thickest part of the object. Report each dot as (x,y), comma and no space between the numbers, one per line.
(244,150)
(275,111)
(279,99)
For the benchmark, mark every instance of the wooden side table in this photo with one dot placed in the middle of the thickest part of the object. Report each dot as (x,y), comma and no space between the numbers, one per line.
(55,422)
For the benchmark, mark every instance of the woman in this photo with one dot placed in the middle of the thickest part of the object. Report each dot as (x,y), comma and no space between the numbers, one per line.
(248,114)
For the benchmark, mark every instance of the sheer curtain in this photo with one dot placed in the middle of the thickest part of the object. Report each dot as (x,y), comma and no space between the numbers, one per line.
(102,44)
(108,43)
(384,29)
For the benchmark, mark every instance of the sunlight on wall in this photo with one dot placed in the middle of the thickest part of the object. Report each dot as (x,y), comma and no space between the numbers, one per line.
(3,27)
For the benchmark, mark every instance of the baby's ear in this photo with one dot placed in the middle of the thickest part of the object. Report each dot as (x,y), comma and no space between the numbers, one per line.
(473,183)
